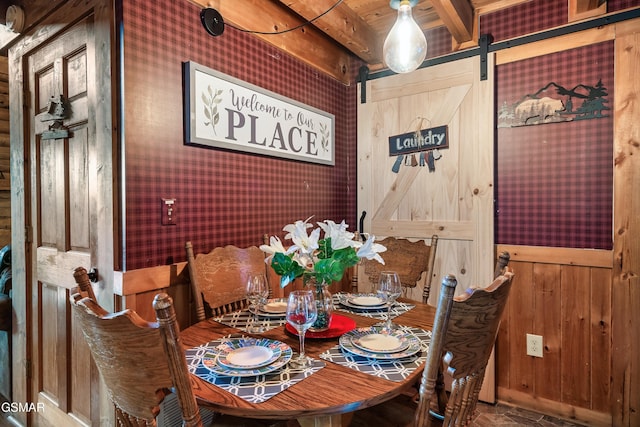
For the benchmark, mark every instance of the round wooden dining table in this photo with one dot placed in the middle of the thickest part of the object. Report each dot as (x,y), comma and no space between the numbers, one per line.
(320,399)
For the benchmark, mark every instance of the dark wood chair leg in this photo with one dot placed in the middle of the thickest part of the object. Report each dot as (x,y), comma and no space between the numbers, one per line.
(441,396)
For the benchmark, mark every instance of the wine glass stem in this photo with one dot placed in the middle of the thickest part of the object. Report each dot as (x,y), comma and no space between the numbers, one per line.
(301,336)
(254,327)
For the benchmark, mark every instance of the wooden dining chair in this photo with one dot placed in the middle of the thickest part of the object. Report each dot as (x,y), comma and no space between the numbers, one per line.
(463,335)
(218,278)
(441,395)
(140,362)
(468,337)
(143,364)
(411,260)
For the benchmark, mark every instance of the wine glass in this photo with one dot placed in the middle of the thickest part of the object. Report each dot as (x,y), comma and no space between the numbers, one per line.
(301,313)
(257,292)
(388,289)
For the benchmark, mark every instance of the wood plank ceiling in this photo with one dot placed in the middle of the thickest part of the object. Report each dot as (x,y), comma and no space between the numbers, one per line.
(356,27)
(352,29)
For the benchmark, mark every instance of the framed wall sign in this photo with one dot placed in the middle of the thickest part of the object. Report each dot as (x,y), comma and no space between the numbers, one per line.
(224,112)
(414,142)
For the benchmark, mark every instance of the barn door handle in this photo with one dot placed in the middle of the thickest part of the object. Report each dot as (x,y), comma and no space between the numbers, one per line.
(362,236)
(93,275)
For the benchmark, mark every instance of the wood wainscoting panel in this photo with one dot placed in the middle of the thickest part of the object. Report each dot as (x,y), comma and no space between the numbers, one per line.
(568,303)
(142,303)
(135,289)
(547,295)
(575,298)
(521,322)
(601,349)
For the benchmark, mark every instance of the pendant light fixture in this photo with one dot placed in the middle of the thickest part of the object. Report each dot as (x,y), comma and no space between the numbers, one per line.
(405,47)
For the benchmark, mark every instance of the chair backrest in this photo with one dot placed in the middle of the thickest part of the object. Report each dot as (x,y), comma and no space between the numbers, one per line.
(464,333)
(218,278)
(139,361)
(411,260)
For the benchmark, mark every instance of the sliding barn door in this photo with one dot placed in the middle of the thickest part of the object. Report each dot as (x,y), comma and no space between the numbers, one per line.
(453,199)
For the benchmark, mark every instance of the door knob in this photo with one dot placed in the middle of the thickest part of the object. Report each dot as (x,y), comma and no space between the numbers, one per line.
(93,275)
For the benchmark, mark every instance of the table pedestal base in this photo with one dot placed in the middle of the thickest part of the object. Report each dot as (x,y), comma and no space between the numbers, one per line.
(338,420)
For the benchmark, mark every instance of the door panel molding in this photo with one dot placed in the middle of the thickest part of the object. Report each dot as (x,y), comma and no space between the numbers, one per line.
(450,230)
(74,38)
(57,267)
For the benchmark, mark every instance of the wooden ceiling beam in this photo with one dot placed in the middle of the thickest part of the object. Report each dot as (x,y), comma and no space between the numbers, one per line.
(586,5)
(308,44)
(457,16)
(343,25)
(583,9)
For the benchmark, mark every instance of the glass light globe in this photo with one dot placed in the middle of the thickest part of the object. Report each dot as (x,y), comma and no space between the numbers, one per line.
(405,46)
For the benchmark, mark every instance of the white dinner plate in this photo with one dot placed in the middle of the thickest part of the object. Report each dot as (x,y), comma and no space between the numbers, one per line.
(413,345)
(277,306)
(346,303)
(211,361)
(366,301)
(380,342)
(273,308)
(250,356)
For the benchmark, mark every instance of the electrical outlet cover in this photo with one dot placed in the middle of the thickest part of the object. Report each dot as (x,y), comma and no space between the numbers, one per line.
(534,345)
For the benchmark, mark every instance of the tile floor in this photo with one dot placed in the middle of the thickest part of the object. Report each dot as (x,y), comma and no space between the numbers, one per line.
(500,415)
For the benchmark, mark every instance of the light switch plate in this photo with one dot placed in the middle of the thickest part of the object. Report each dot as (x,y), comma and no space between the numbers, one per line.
(168,212)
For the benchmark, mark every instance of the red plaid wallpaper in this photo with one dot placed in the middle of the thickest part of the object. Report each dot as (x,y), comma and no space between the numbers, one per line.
(524,18)
(618,5)
(438,42)
(534,16)
(553,181)
(222,197)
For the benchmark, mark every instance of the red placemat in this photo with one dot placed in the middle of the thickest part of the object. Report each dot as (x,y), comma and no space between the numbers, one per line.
(339,325)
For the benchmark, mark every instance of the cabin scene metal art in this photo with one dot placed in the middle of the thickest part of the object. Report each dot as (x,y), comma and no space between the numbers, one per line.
(554,103)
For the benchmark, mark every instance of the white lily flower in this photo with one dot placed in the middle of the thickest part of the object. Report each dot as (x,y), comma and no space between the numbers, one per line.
(275,245)
(331,227)
(304,260)
(297,227)
(304,250)
(340,237)
(297,233)
(371,250)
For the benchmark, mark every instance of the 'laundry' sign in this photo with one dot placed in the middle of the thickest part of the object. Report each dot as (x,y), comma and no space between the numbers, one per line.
(222,111)
(414,142)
